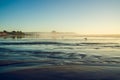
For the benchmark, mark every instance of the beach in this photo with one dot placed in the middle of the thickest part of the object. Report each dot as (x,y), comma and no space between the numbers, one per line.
(68,72)
(59,39)
(97,58)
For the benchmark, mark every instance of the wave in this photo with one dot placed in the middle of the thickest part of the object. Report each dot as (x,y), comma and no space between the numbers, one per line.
(60,56)
(33,43)
(4,49)
(53,43)
(114,46)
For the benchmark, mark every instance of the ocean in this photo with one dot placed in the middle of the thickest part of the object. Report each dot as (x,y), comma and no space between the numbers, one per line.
(29,52)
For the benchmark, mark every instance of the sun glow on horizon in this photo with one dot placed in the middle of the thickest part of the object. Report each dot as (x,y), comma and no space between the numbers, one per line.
(79,16)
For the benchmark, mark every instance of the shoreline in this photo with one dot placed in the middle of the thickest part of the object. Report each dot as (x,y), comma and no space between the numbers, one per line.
(65,72)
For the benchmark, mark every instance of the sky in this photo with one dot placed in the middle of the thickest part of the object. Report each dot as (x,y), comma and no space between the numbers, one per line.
(79,16)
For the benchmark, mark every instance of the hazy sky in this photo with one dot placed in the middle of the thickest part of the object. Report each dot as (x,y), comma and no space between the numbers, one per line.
(80,16)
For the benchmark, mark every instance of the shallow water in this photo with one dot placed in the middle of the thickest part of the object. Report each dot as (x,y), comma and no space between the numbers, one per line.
(33,52)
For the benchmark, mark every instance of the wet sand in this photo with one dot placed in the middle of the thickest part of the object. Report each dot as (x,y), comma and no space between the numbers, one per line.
(65,72)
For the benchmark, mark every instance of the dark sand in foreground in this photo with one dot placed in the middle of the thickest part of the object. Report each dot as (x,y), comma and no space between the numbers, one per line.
(69,72)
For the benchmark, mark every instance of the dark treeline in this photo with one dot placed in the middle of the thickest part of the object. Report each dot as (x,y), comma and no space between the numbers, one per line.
(12,33)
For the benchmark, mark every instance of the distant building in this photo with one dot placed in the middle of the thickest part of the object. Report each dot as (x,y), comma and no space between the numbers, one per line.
(54,31)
